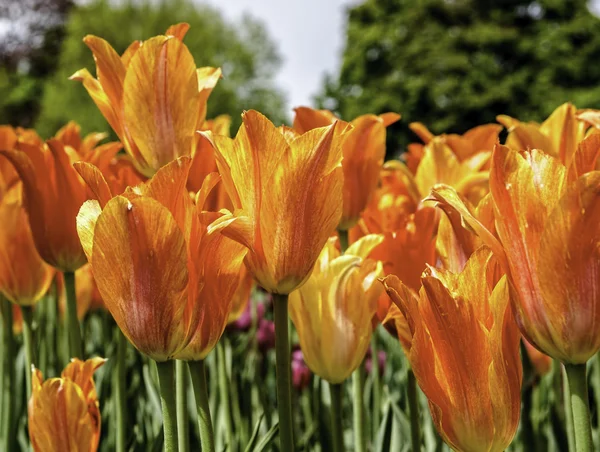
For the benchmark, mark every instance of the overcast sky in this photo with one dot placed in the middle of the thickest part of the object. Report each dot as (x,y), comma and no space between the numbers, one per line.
(310,37)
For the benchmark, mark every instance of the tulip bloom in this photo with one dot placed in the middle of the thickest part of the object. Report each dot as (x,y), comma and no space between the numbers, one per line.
(153,96)
(559,135)
(332,312)
(64,413)
(364,152)
(24,276)
(464,352)
(287,193)
(167,278)
(547,226)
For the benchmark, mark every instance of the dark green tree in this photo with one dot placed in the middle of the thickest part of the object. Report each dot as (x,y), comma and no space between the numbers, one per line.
(243,50)
(455,64)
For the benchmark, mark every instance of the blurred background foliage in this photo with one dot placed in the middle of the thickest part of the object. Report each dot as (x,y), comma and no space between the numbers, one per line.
(455,64)
(34,86)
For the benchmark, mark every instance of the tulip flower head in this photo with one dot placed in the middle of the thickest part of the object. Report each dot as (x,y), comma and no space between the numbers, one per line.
(153,96)
(464,352)
(286,190)
(167,278)
(24,276)
(332,312)
(64,413)
(364,152)
(547,235)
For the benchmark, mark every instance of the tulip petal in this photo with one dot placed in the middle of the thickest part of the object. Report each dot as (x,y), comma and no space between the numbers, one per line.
(363,246)
(140,262)
(86,223)
(109,69)
(569,270)
(161,101)
(178,30)
(586,157)
(307,118)
(95,181)
(389,118)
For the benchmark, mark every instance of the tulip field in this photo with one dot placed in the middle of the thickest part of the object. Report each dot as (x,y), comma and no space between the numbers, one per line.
(283,288)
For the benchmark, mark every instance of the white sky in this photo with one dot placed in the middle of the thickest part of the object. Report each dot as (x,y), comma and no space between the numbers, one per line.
(309,35)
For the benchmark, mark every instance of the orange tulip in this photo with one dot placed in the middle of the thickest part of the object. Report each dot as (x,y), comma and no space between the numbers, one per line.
(153,96)
(287,193)
(167,277)
(204,162)
(364,152)
(547,222)
(64,413)
(542,363)
(559,135)
(332,312)
(24,276)
(464,351)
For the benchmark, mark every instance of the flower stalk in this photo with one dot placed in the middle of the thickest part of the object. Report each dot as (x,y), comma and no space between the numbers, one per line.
(75,344)
(198,373)
(578,400)
(166,379)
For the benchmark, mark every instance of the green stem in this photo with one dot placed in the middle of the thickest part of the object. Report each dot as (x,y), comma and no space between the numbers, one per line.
(283,367)
(337,431)
(224,389)
(568,410)
(343,235)
(30,361)
(182,413)
(198,373)
(166,379)
(75,345)
(121,417)
(578,399)
(8,382)
(413,406)
(358,389)
(376,384)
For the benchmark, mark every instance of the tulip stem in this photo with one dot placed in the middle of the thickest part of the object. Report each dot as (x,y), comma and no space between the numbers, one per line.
(120,390)
(182,413)
(75,347)
(166,380)
(578,399)
(376,384)
(27,312)
(413,407)
(224,388)
(198,373)
(337,431)
(358,389)
(343,235)
(8,381)
(283,368)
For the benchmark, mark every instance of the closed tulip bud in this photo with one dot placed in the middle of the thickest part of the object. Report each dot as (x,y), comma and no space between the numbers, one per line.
(286,190)
(167,278)
(24,276)
(464,352)
(364,152)
(64,413)
(332,312)
(153,96)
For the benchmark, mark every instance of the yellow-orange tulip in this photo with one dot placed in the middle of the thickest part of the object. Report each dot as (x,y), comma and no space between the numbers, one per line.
(153,96)
(464,351)
(559,135)
(548,230)
(364,152)
(64,413)
(24,276)
(53,194)
(332,312)
(287,193)
(167,278)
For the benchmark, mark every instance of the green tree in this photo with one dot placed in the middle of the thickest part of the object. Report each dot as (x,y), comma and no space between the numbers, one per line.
(243,50)
(454,64)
